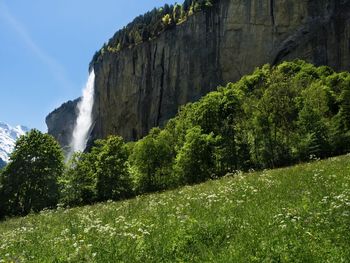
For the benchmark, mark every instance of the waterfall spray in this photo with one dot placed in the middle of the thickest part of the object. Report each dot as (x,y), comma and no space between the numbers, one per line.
(83,124)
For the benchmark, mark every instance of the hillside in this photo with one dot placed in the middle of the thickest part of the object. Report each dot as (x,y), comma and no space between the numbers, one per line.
(142,86)
(296,214)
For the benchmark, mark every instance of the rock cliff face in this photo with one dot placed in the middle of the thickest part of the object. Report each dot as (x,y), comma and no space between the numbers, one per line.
(142,87)
(61,123)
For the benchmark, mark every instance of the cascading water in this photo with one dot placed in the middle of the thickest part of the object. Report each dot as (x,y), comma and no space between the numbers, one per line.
(84,120)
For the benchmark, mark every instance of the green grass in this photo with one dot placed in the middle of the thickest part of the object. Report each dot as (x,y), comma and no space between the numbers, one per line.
(297,214)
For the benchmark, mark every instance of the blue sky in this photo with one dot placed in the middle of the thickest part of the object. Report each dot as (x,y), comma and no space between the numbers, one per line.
(46,47)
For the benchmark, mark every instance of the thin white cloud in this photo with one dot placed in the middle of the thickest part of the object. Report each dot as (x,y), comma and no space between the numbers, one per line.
(56,69)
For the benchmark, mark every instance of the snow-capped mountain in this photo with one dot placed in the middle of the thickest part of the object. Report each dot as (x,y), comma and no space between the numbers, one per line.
(8,137)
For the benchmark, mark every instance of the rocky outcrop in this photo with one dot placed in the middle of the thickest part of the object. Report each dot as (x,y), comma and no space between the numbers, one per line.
(142,87)
(61,123)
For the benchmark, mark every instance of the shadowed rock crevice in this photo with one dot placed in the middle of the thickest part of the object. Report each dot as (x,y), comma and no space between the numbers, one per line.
(272,11)
(161,91)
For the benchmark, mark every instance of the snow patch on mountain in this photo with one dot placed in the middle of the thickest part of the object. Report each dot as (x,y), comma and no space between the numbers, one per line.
(8,138)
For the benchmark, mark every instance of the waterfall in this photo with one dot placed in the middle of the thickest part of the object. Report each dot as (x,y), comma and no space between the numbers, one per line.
(83,124)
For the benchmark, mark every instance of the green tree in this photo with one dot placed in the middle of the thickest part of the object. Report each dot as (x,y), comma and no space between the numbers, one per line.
(341,124)
(78,184)
(112,174)
(272,114)
(177,13)
(167,21)
(344,112)
(3,200)
(195,162)
(313,124)
(151,162)
(29,181)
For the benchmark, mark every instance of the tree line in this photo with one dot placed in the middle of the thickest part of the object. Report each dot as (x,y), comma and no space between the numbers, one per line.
(277,116)
(151,24)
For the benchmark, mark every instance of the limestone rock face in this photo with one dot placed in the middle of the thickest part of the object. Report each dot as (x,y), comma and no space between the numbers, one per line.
(142,87)
(61,123)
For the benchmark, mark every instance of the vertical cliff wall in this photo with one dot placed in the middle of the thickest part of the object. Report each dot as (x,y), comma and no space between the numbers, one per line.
(142,87)
(61,123)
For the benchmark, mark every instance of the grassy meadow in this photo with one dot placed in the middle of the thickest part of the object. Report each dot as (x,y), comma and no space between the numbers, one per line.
(296,214)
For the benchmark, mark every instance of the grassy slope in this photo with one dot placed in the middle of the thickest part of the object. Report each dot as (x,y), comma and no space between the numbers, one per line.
(297,214)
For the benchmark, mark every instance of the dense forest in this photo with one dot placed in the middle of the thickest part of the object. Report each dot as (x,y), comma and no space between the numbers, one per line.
(277,116)
(151,25)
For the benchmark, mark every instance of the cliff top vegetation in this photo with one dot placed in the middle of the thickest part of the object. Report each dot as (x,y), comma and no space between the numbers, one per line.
(150,25)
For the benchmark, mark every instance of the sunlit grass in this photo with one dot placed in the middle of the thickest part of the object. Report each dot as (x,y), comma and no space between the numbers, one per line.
(297,214)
